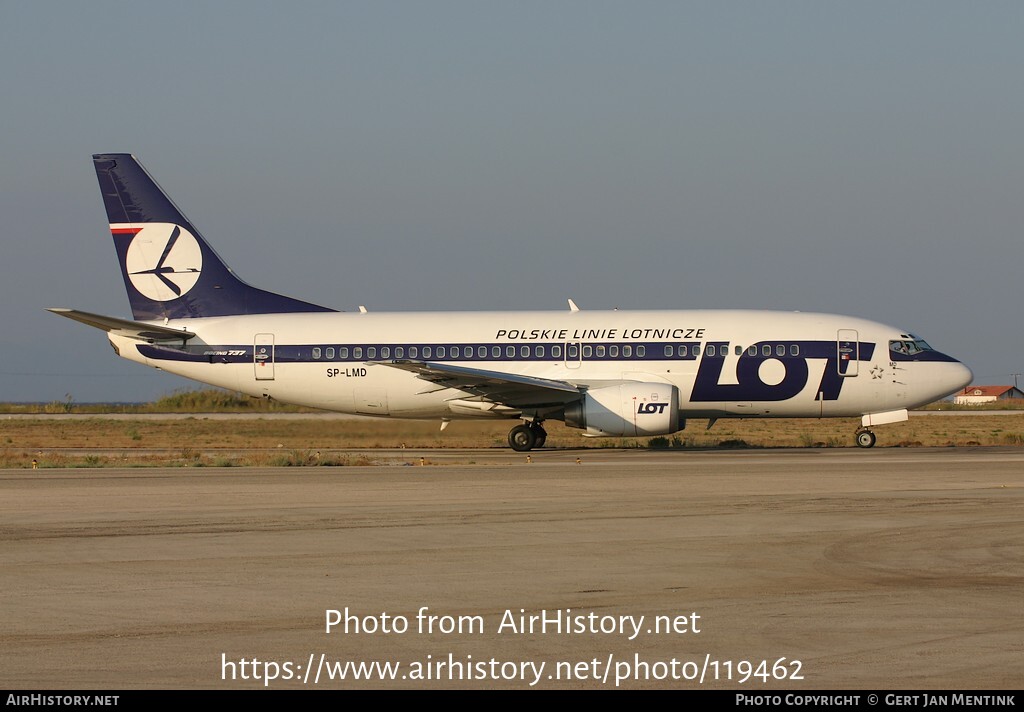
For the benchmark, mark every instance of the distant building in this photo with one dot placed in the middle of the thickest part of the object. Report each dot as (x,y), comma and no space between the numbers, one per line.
(972,395)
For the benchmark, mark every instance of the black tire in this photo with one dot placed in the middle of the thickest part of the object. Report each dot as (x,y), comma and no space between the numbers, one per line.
(522,438)
(865,438)
(540,435)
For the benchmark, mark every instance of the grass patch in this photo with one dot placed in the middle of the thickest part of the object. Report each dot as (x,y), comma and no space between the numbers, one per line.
(204,400)
(313,441)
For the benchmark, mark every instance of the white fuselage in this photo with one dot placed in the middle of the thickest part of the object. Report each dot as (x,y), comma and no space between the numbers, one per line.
(724,362)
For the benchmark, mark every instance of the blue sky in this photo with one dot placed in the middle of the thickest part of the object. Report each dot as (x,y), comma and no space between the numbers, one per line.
(859,158)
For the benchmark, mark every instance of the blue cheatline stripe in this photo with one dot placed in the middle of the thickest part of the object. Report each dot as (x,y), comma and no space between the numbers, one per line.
(452,352)
(486,352)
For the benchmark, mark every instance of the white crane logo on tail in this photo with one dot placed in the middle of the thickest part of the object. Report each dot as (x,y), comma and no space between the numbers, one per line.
(164,261)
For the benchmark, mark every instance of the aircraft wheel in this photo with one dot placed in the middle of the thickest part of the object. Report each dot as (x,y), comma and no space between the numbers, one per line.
(522,438)
(865,438)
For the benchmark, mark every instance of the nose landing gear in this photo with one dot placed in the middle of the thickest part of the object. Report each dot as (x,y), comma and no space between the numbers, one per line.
(865,438)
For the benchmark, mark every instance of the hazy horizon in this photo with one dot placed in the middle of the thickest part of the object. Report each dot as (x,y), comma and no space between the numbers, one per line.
(859,159)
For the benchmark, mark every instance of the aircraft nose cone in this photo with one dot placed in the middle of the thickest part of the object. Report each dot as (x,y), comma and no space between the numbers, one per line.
(960,376)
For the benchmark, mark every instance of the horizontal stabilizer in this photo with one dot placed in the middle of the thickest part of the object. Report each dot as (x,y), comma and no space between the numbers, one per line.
(124,327)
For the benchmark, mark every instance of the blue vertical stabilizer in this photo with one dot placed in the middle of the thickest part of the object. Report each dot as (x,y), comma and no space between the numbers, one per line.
(169,269)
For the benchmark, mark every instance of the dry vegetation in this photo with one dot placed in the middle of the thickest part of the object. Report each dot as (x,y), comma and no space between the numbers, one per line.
(199,441)
(204,400)
(216,400)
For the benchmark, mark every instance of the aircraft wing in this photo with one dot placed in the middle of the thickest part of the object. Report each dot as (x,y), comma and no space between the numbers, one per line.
(125,327)
(506,388)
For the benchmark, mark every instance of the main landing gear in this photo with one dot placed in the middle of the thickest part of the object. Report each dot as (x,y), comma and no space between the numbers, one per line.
(527,436)
(865,438)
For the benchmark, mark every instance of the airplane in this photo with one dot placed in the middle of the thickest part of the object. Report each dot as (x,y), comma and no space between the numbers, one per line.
(610,373)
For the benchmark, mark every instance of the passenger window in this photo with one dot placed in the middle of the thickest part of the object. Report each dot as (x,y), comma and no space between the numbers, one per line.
(399,352)
(524,351)
(780,350)
(588,351)
(455,351)
(627,351)
(738,350)
(556,351)
(538,351)
(613,351)
(385,352)
(371,352)
(574,350)
(709,350)
(413,352)
(316,352)
(440,351)
(357,352)
(330,352)
(794,349)
(343,352)
(766,350)
(495,352)
(751,351)
(467,351)
(723,350)
(510,352)
(600,351)
(641,351)
(668,350)
(481,352)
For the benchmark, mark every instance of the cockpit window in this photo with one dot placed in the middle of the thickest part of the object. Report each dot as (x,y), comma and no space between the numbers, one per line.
(908,347)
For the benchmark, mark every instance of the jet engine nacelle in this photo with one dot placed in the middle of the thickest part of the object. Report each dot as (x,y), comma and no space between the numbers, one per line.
(628,409)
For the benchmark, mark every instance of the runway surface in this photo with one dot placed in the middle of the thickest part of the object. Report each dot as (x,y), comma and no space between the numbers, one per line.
(846,569)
